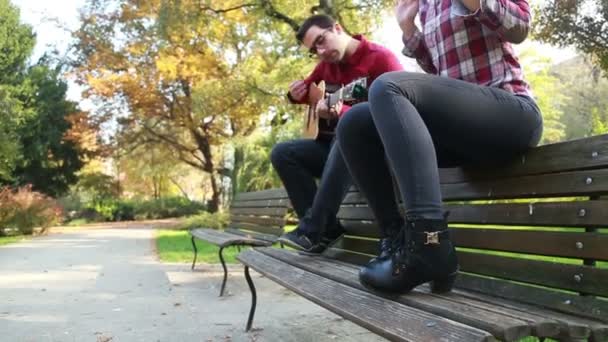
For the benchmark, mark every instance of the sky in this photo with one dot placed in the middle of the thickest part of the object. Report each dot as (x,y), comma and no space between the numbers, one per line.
(52,21)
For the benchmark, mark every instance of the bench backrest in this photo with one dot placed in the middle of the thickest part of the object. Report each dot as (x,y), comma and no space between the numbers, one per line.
(259,214)
(534,230)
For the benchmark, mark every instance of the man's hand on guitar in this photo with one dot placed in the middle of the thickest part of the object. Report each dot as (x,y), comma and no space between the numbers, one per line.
(298,90)
(328,113)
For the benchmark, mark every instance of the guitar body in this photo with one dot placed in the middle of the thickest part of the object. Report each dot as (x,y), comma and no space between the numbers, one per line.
(314,126)
(316,92)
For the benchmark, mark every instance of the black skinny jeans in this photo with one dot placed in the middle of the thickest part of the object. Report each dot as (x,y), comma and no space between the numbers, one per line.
(419,122)
(298,163)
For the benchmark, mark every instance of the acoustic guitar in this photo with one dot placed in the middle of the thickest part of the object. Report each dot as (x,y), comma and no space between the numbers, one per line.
(315,126)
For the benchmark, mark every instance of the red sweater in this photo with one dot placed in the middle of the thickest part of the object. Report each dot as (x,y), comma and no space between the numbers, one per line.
(369,60)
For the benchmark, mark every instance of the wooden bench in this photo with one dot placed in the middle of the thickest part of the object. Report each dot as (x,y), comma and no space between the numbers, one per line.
(531,247)
(256,219)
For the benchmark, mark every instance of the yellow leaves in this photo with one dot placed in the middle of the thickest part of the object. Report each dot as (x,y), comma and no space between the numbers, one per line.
(180,63)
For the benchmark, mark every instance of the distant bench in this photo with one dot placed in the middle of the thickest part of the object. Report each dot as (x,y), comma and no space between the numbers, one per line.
(256,219)
(536,266)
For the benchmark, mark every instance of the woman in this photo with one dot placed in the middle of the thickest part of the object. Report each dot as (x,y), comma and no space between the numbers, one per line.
(472,106)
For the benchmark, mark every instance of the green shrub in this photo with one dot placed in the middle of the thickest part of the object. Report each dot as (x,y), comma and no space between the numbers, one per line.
(25,209)
(167,207)
(217,220)
(112,209)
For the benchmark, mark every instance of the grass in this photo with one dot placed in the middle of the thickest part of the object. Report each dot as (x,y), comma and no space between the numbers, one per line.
(5,240)
(175,246)
(77,222)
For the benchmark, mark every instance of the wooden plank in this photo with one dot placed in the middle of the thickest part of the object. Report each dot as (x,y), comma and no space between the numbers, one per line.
(568,184)
(347,256)
(281,203)
(223,239)
(359,228)
(278,193)
(277,212)
(570,327)
(585,306)
(264,221)
(544,322)
(354,244)
(585,279)
(563,214)
(253,235)
(585,153)
(506,325)
(384,317)
(257,228)
(573,245)
(581,183)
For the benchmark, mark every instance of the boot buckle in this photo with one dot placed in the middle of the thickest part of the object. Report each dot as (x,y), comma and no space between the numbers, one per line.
(432,238)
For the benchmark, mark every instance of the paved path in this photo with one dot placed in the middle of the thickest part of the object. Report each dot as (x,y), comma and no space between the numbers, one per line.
(107,285)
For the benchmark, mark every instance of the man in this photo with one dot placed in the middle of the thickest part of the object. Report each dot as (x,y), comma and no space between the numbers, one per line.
(343,59)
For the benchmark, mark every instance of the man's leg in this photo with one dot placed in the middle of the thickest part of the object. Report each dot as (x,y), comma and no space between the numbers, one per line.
(298,163)
(319,227)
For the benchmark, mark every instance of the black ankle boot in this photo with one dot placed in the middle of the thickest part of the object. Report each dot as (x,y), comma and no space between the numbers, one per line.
(425,254)
(387,247)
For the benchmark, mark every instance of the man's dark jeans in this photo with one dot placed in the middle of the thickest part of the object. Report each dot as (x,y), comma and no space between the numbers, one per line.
(298,163)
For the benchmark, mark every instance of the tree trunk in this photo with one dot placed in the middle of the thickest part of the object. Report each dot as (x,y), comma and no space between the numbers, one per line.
(239,158)
(213,204)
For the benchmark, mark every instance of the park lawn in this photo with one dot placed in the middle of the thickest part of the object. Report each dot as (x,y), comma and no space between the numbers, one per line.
(5,240)
(175,246)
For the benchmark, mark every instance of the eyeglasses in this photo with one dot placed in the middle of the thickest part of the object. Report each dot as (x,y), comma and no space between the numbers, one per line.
(319,41)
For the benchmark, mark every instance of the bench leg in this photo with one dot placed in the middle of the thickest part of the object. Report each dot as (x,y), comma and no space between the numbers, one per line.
(254,298)
(195,253)
(225,271)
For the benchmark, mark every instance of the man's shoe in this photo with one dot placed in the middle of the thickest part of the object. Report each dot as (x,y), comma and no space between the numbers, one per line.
(297,240)
(328,239)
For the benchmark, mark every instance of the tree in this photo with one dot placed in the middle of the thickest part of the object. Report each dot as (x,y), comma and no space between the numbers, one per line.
(579,23)
(16,44)
(586,106)
(549,92)
(195,75)
(49,161)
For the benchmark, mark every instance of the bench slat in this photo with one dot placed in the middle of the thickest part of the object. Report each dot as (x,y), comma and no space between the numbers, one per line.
(256,228)
(264,221)
(563,214)
(253,235)
(281,203)
(544,322)
(571,245)
(562,276)
(585,153)
(384,317)
(552,274)
(223,239)
(574,327)
(507,325)
(269,194)
(574,214)
(581,183)
(585,306)
(275,212)
(566,184)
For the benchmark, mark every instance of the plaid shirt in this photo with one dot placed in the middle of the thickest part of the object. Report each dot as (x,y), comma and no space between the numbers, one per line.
(474,47)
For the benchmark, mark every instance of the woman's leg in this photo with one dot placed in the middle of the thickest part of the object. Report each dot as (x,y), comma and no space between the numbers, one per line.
(364,155)
(415,112)
(415,116)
